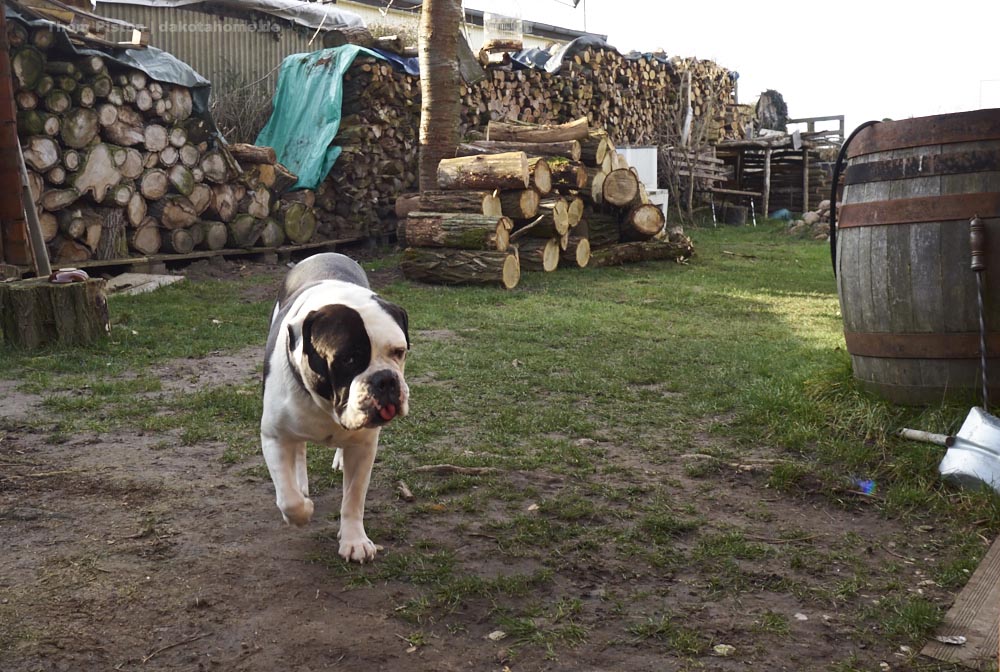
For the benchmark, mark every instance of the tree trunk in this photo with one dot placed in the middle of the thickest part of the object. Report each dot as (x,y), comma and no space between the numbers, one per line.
(36,313)
(178,241)
(487,171)
(570,149)
(298,221)
(539,254)
(211,236)
(577,129)
(519,203)
(642,222)
(146,238)
(112,243)
(653,250)
(461,267)
(620,188)
(480,202)
(79,127)
(244,231)
(440,105)
(457,230)
(577,251)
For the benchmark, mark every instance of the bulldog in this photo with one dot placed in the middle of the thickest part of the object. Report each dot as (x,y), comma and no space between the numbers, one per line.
(333,375)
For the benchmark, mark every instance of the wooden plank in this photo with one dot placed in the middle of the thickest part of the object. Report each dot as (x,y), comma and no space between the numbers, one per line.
(975,615)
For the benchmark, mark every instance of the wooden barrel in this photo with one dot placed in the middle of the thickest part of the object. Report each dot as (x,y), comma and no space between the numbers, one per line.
(907,292)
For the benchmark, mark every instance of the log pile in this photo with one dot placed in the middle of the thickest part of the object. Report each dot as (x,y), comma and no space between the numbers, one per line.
(120,166)
(532,197)
(631,99)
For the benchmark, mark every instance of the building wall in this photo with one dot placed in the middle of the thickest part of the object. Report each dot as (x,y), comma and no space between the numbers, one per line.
(230,53)
(233,53)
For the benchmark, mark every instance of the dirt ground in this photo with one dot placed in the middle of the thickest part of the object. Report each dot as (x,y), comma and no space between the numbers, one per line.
(137,552)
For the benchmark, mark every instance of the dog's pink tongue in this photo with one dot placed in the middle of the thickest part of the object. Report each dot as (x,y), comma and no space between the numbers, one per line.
(388,412)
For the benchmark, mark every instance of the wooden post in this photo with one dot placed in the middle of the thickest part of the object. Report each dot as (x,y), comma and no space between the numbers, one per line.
(767,182)
(805,180)
(14,246)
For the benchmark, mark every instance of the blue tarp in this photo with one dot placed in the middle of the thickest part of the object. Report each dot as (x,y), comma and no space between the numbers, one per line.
(307,112)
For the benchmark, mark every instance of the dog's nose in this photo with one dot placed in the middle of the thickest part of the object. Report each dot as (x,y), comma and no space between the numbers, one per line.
(384,384)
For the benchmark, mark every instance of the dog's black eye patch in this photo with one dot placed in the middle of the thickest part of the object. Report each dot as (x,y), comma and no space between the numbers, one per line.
(337,347)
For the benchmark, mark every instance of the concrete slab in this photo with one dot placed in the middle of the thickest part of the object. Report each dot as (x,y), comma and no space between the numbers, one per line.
(139,283)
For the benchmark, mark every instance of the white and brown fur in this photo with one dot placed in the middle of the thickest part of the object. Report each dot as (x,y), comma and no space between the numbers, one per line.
(333,375)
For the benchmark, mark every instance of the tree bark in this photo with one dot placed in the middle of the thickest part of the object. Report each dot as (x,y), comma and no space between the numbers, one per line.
(440,105)
(539,254)
(36,313)
(487,171)
(653,250)
(577,129)
(457,230)
(461,267)
(569,149)
(481,202)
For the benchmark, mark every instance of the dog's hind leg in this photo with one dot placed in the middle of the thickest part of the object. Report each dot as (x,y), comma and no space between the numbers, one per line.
(338,460)
(285,461)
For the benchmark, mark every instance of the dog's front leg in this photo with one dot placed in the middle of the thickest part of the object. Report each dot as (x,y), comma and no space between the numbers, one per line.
(286,462)
(357,463)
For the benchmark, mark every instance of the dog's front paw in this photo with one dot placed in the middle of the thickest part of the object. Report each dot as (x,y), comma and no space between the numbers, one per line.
(358,549)
(299,513)
(338,460)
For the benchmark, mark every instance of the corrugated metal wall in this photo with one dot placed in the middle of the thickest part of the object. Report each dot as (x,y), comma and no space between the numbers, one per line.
(227,52)
(235,53)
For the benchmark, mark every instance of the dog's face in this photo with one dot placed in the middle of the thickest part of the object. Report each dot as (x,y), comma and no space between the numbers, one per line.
(351,360)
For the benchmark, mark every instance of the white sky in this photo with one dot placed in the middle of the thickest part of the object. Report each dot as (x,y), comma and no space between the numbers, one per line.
(865,60)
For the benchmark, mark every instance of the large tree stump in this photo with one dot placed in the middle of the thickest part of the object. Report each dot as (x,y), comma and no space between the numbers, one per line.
(461,267)
(37,313)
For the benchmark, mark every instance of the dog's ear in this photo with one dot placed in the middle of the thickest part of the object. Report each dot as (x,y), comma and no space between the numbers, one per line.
(398,313)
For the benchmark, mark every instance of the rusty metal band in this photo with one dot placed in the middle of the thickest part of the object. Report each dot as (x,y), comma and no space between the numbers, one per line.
(933,165)
(946,208)
(922,131)
(963,345)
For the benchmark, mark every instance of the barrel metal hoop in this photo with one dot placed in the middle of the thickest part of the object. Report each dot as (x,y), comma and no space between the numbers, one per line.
(931,165)
(962,345)
(950,207)
(943,129)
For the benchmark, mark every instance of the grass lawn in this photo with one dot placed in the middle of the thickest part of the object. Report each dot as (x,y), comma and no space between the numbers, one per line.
(618,411)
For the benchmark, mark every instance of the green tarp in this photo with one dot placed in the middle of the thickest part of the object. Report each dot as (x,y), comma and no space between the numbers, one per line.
(306,116)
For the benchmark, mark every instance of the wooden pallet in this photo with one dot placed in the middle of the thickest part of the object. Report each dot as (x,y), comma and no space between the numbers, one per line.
(975,615)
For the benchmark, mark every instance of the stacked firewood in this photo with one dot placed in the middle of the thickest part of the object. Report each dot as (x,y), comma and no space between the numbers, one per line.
(379,141)
(631,99)
(531,197)
(118,164)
